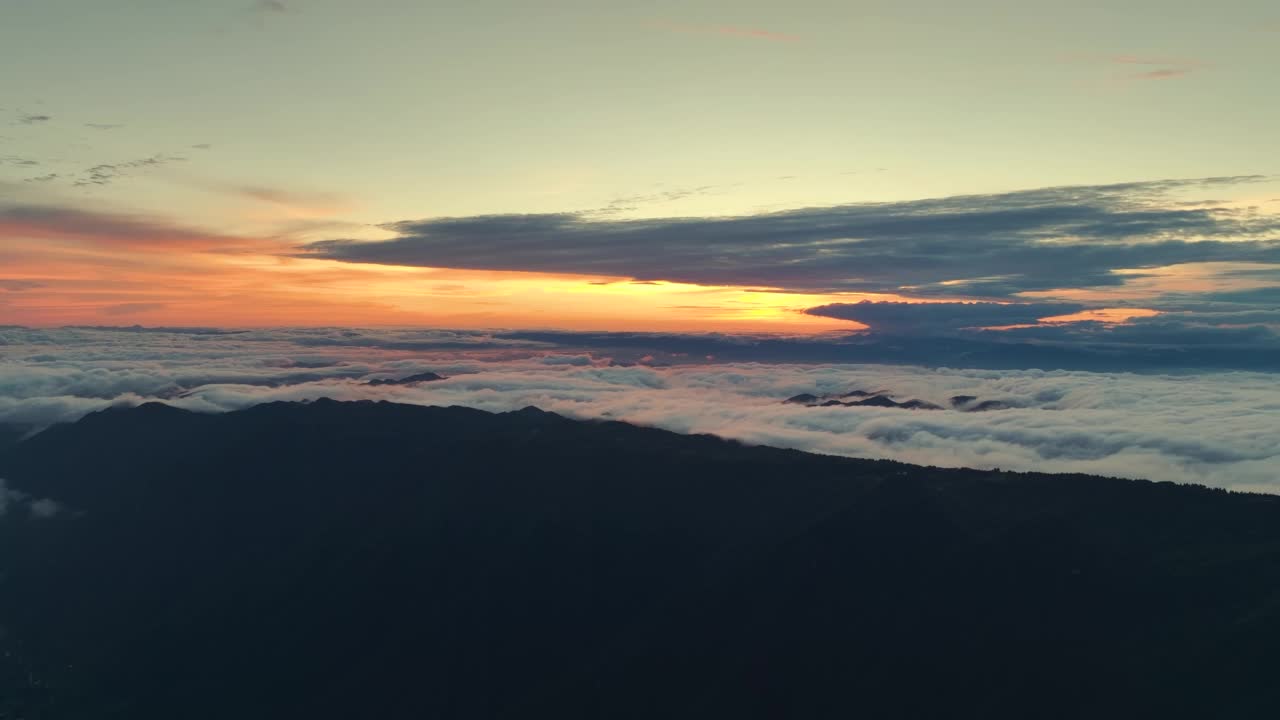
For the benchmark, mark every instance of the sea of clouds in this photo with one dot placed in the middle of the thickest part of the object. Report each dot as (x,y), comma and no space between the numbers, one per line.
(1220,429)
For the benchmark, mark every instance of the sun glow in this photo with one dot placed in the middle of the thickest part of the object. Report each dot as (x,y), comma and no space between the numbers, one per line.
(256,289)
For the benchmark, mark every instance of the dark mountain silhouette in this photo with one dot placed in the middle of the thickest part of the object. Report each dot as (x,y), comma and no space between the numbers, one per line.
(969,403)
(862,393)
(987,405)
(918,405)
(881,398)
(874,401)
(887,402)
(410,380)
(802,399)
(374,560)
(870,399)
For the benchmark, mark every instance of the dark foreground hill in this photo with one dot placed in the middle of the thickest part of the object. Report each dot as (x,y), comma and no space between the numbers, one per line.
(362,560)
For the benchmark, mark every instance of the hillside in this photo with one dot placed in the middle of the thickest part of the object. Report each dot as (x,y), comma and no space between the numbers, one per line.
(337,560)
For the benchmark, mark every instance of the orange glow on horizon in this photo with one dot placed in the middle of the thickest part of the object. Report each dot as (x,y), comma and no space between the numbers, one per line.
(82,267)
(76,283)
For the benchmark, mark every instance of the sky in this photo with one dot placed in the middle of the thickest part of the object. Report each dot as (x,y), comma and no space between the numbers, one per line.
(1029,171)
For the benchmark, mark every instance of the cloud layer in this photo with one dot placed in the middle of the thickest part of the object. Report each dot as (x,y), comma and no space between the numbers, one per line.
(930,318)
(979,245)
(1218,429)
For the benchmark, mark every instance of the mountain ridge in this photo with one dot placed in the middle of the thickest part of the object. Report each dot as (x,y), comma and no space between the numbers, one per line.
(290,558)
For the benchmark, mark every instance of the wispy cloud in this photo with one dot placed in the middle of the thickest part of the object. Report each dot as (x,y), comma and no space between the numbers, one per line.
(271,6)
(103,126)
(1163,74)
(635,202)
(1169,67)
(317,202)
(38,508)
(731,31)
(1124,69)
(279,204)
(34,119)
(756,33)
(107,173)
(113,230)
(1150,60)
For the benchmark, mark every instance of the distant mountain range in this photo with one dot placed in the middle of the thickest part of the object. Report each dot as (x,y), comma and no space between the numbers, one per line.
(410,380)
(882,398)
(376,560)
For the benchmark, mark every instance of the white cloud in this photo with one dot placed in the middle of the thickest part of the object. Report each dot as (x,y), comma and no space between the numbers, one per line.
(1217,429)
(39,508)
(45,508)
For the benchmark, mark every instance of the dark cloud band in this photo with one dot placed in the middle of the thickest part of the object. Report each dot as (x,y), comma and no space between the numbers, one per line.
(930,318)
(979,245)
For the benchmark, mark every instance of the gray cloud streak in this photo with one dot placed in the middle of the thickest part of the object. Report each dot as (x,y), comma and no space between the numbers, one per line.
(107,173)
(982,245)
(933,318)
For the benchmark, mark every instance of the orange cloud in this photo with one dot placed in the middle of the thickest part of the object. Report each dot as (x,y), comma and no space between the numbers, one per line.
(1109,316)
(1149,284)
(1102,315)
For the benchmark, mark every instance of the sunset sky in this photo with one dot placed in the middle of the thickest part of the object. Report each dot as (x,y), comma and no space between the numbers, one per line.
(514,355)
(664,166)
